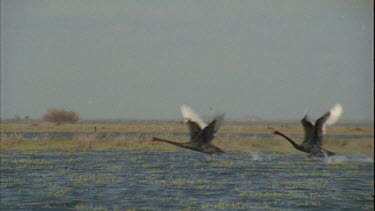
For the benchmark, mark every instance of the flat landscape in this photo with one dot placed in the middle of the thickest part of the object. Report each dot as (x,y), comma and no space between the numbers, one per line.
(111,166)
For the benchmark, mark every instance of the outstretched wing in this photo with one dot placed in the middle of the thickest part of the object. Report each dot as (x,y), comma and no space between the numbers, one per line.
(189,115)
(219,118)
(208,133)
(194,129)
(308,129)
(334,114)
(327,119)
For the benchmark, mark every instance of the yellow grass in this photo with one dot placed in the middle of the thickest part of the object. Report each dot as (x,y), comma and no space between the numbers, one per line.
(170,126)
(231,142)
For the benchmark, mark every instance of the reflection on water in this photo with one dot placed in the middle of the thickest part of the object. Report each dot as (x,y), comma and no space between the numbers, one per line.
(144,179)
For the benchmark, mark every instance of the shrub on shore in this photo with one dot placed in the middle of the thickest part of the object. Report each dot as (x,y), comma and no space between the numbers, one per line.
(59,116)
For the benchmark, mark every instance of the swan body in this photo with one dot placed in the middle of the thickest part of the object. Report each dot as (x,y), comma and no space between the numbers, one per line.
(201,134)
(314,133)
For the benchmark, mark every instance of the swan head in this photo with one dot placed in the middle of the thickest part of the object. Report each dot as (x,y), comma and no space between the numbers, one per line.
(275,132)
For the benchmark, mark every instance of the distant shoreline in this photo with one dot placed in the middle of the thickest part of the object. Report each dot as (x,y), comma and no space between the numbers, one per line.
(164,121)
(95,135)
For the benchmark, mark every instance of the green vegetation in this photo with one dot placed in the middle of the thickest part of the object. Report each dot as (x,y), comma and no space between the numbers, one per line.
(171,126)
(228,142)
(17,142)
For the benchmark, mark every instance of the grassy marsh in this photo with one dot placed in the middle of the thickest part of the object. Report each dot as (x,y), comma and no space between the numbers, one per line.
(96,171)
(174,126)
(232,139)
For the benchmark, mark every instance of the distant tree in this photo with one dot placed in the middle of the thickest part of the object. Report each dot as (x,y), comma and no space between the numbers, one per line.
(59,116)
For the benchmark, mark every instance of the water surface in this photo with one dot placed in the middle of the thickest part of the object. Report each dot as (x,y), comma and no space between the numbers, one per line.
(149,179)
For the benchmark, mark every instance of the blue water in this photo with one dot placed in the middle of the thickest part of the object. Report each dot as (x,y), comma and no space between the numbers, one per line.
(171,180)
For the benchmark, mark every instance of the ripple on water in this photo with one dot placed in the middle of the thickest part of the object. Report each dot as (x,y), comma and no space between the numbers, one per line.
(143,179)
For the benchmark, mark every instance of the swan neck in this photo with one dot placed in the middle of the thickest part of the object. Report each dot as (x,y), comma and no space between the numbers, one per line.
(166,141)
(295,145)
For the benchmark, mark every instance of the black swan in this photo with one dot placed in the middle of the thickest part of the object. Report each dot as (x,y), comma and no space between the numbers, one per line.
(201,134)
(312,143)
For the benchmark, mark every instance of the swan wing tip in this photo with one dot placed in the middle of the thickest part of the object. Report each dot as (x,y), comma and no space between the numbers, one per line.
(189,114)
(335,113)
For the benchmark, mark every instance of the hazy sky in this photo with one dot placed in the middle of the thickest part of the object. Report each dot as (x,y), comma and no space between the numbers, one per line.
(143,59)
